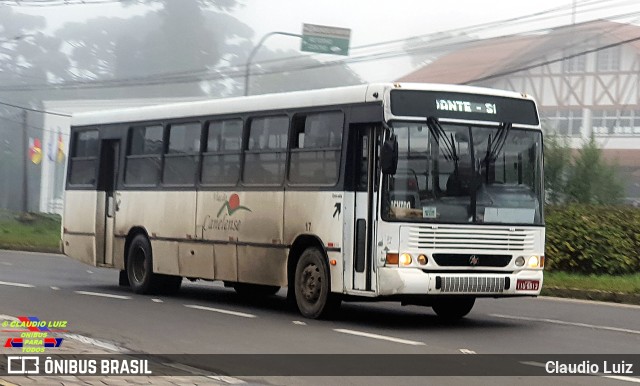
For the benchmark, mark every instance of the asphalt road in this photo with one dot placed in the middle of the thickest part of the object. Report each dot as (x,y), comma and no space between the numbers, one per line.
(206,318)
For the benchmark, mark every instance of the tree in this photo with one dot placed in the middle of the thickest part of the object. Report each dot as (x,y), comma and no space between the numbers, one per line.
(26,55)
(557,163)
(183,41)
(592,180)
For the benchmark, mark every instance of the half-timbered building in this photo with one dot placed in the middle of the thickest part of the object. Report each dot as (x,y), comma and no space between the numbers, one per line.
(585,78)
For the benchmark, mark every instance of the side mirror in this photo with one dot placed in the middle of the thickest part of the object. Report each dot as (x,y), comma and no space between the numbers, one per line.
(389,156)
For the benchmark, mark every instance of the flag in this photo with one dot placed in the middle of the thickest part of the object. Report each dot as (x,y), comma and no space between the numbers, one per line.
(35,150)
(60,148)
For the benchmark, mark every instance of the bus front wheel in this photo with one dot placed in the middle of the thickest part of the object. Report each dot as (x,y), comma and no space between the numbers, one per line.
(312,285)
(453,309)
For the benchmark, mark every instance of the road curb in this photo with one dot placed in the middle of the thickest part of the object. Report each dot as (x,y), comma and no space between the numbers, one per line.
(603,296)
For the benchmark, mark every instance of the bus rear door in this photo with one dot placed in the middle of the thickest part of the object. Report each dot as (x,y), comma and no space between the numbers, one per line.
(107,200)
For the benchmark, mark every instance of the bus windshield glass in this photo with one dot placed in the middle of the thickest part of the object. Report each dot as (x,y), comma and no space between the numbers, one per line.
(463,173)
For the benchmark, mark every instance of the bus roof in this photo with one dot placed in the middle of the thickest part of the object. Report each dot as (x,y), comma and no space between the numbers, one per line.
(374,92)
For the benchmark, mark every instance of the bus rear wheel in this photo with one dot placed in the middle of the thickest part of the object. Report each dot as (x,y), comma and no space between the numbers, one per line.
(313,287)
(453,309)
(140,266)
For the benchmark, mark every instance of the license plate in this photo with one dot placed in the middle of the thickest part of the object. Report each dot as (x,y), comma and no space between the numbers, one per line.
(527,285)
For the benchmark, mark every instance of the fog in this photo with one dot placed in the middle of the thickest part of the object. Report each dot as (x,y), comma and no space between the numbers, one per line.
(56,50)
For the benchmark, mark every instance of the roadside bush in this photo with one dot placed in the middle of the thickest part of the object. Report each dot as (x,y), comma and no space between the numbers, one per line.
(591,239)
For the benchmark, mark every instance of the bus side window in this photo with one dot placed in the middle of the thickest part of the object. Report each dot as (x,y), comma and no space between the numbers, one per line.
(265,155)
(84,158)
(315,153)
(221,158)
(143,155)
(181,158)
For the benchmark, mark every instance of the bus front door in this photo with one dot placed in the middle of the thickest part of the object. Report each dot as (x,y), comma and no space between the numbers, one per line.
(107,205)
(364,210)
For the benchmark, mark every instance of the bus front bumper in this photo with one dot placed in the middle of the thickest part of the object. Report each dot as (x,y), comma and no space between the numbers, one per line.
(414,281)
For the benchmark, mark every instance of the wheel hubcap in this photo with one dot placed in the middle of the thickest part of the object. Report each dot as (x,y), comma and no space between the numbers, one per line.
(138,265)
(311,283)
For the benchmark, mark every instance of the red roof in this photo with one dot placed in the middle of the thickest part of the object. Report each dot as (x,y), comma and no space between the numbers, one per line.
(494,56)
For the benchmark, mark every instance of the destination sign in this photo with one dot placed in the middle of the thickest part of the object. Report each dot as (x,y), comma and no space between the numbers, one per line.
(477,107)
(464,106)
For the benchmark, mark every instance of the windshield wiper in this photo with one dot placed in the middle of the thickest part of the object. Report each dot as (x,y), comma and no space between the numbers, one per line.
(495,144)
(438,132)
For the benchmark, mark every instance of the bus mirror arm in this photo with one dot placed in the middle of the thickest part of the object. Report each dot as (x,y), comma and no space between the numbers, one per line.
(389,155)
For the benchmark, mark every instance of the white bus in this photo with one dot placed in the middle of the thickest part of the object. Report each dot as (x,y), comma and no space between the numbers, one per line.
(422,193)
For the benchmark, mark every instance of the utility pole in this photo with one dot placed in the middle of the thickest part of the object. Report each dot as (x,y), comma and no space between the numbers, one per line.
(25,164)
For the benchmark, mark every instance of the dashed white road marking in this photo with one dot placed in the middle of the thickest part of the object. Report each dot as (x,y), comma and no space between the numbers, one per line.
(467,351)
(156,300)
(16,284)
(5,263)
(616,377)
(89,271)
(228,312)
(380,337)
(299,323)
(55,288)
(562,322)
(100,294)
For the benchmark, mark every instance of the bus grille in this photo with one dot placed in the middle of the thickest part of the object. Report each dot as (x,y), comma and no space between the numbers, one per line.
(470,238)
(465,284)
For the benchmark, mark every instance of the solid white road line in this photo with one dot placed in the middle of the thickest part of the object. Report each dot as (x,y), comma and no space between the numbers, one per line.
(198,372)
(95,342)
(380,337)
(590,302)
(16,284)
(235,313)
(562,322)
(100,294)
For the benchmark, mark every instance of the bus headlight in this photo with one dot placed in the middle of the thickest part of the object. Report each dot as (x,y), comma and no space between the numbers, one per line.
(534,261)
(519,261)
(405,259)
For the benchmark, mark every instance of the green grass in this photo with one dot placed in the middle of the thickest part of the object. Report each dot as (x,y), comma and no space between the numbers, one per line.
(32,232)
(627,284)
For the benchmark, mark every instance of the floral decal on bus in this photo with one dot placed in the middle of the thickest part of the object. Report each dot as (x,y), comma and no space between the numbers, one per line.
(232,205)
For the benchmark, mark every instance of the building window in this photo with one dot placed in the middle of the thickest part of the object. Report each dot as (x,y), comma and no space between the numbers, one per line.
(265,155)
(615,122)
(574,64)
(181,159)
(143,155)
(221,158)
(84,158)
(564,122)
(315,153)
(608,59)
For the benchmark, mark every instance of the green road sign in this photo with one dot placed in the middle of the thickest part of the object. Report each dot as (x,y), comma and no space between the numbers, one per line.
(325,40)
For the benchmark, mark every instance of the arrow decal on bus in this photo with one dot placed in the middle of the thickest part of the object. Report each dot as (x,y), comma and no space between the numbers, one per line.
(232,205)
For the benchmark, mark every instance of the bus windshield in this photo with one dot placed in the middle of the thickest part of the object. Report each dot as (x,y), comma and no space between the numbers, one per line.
(464,173)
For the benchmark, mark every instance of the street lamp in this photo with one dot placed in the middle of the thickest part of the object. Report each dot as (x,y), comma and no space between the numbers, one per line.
(255,50)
